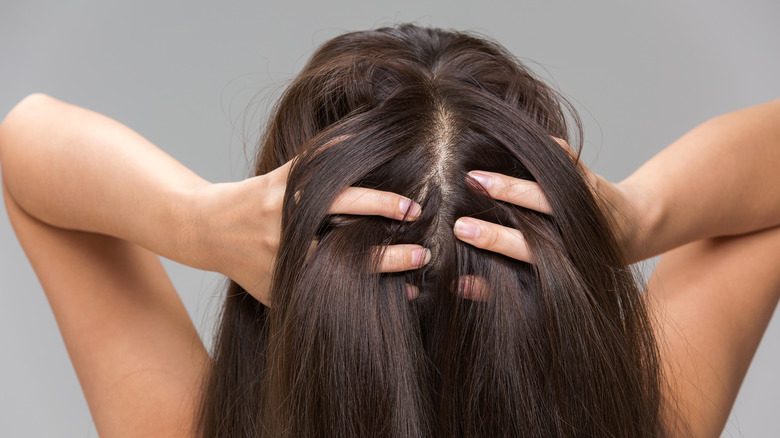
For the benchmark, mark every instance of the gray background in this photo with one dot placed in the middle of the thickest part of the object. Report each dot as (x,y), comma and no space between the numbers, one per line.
(183,74)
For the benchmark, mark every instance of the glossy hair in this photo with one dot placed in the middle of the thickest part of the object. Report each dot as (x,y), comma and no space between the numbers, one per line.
(562,347)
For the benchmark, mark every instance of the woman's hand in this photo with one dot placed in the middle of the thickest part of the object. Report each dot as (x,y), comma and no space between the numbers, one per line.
(237,227)
(79,170)
(620,203)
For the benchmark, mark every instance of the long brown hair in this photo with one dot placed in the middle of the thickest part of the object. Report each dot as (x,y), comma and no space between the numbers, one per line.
(561,347)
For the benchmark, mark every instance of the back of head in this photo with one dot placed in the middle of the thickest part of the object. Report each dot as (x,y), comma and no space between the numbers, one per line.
(560,347)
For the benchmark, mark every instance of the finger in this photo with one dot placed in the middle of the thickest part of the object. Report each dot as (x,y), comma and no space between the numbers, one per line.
(362,201)
(473,287)
(569,150)
(517,191)
(591,177)
(493,237)
(399,258)
(412,292)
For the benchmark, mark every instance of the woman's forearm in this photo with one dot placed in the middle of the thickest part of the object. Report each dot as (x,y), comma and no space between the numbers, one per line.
(76,169)
(722,178)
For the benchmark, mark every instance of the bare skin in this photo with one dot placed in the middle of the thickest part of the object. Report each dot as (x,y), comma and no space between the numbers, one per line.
(710,203)
(93,204)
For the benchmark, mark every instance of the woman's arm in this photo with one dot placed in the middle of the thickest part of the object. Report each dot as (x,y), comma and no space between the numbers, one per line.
(78,170)
(92,202)
(720,179)
(137,355)
(717,187)
(711,203)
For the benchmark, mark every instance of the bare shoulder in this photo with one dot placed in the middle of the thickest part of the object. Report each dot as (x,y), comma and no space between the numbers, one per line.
(712,301)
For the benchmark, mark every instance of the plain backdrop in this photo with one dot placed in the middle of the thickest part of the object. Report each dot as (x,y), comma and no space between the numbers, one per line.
(196,78)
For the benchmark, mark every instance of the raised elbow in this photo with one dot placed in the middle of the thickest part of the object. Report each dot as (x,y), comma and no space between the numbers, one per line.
(13,123)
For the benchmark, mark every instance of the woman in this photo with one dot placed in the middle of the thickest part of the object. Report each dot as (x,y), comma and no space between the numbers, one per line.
(549,338)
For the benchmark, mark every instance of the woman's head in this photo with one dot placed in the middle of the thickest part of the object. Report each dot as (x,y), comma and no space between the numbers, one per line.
(562,347)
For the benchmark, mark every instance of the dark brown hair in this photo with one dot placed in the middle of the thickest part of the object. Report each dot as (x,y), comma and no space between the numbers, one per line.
(561,347)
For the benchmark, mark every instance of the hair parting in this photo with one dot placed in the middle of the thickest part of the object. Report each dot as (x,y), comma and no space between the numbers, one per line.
(562,347)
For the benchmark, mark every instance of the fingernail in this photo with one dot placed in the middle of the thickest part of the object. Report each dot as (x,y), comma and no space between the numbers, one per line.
(421,257)
(411,209)
(484,180)
(472,288)
(466,229)
(412,292)
(466,287)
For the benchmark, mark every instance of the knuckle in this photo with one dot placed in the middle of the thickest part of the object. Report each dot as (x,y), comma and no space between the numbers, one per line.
(595,181)
(503,184)
(543,205)
(541,202)
(272,204)
(387,202)
(345,198)
(272,241)
(516,235)
(519,247)
(391,260)
(517,190)
(490,238)
(561,142)
(566,147)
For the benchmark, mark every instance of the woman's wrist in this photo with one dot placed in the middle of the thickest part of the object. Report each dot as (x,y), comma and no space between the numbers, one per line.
(192,218)
(644,229)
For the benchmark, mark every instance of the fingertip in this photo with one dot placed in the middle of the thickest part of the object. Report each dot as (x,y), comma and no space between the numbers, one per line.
(473,288)
(412,292)
(466,229)
(421,257)
(409,209)
(485,180)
